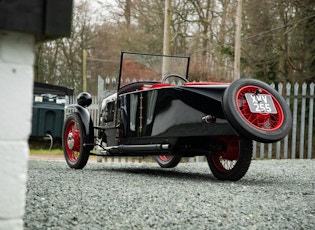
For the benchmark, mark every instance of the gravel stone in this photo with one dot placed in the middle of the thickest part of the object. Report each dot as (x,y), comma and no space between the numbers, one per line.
(274,194)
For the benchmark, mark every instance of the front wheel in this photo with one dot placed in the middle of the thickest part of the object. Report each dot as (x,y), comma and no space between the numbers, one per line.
(73,139)
(232,160)
(168,161)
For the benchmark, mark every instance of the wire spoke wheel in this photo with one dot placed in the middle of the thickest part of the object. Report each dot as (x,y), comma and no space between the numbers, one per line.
(262,121)
(232,161)
(73,139)
(226,159)
(256,111)
(168,161)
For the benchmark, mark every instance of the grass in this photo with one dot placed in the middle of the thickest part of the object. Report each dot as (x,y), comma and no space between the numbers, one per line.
(41,146)
(46,151)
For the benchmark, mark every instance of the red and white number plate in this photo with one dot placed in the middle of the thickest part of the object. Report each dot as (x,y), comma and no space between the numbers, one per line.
(260,103)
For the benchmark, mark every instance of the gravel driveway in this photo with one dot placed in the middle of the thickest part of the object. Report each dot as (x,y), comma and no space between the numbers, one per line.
(274,194)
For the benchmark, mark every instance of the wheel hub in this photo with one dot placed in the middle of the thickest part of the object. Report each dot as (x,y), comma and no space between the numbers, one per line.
(70,141)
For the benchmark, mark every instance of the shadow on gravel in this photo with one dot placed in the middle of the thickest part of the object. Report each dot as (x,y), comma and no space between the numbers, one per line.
(192,176)
(174,173)
(169,173)
(165,173)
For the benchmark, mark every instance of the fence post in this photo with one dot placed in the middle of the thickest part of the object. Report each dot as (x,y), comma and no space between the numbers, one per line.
(310,122)
(254,149)
(286,139)
(302,131)
(269,151)
(262,150)
(100,87)
(295,105)
(278,144)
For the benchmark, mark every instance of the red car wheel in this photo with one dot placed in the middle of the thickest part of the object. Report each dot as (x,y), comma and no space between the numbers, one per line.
(73,138)
(232,161)
(168,161)
(225,159)
(270,123)
(262,121)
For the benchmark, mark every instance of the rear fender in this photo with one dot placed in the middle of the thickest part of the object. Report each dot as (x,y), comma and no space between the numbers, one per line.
(85,117)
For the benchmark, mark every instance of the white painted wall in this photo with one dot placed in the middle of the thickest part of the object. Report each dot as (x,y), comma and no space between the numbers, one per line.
(16,95)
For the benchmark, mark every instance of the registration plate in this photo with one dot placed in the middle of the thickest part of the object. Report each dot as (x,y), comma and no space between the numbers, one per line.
(260,103)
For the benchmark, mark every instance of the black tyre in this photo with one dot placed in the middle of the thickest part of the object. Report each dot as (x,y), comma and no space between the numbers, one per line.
(264,125)
(233,160)
(168,161)
(74,136)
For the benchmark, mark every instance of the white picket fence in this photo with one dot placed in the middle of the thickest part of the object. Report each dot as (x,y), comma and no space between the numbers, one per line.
(299,144)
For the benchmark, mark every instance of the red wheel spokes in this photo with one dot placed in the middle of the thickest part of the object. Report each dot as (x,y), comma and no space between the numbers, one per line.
(226,158)
(72,137)
(262,121)
(76,137)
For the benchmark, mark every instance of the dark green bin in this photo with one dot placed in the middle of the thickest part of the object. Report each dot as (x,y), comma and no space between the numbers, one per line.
(48,118)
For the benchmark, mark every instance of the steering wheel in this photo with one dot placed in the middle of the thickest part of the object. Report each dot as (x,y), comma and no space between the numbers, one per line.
(164,79)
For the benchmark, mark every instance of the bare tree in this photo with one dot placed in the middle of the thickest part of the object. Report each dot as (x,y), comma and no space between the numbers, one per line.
(277,40)
(60,62)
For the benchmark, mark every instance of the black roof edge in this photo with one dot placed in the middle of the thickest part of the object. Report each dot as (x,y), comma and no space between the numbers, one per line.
(43,88)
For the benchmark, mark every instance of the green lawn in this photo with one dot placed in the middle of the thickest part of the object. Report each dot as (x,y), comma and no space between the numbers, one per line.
(46,151)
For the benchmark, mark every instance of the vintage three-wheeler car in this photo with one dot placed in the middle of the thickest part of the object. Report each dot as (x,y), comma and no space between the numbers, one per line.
(157,112)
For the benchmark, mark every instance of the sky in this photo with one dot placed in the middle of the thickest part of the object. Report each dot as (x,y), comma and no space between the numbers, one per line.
(100,9)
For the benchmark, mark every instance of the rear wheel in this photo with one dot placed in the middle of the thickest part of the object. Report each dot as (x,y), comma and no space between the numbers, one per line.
(232,161)
(168,161)
(76,154)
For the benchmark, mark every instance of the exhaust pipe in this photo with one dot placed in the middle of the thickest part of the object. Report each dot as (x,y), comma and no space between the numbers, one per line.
(132,150)
(137,148)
